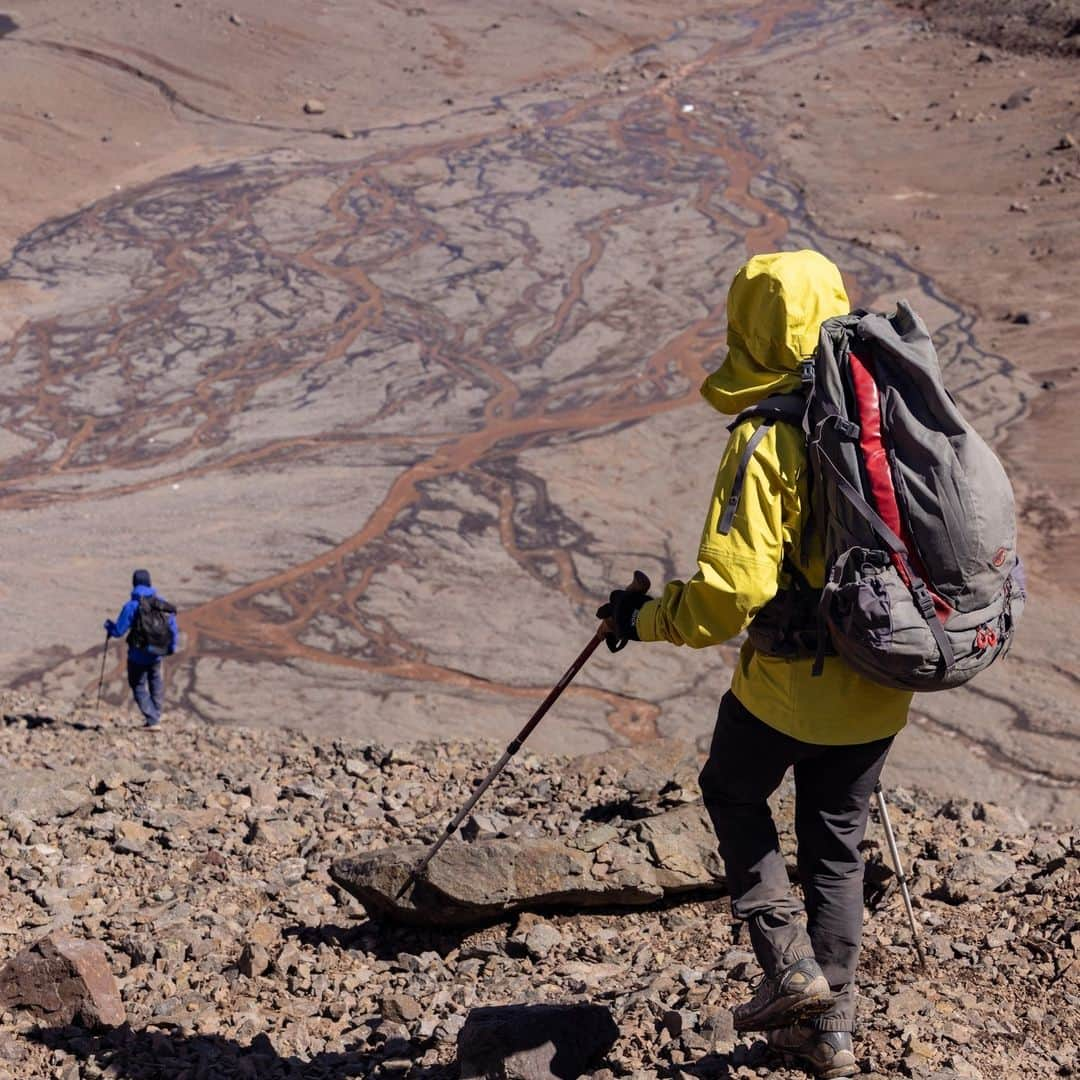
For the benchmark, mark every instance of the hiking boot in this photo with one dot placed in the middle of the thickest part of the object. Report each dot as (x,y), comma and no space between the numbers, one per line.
(826,1053)
(794,993)
(151,725)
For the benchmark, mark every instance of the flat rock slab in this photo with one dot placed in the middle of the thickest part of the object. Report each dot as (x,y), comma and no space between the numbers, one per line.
(470,883)
(61,979)
(534,1042)
(43,794)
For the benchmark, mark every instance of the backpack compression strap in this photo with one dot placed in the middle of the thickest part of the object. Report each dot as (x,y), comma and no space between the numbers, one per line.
(788,407)
(920,593)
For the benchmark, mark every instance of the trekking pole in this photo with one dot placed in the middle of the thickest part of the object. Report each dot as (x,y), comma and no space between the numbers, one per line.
(639,584)
(101,679)
(895,855)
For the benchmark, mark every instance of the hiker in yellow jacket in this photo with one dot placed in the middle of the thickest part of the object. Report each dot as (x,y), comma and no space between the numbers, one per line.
(834,729)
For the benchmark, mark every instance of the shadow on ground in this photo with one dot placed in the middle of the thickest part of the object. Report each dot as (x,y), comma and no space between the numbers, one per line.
(385,940)
(160,1055)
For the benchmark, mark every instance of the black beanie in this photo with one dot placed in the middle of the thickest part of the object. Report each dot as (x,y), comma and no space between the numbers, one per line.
(140,577)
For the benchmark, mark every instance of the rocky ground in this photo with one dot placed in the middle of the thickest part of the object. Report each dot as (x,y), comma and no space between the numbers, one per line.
(199,857)
(1051,27)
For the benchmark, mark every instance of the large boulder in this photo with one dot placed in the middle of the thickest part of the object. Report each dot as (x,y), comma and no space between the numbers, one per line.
(62,979)
(534,1042)
(470,883)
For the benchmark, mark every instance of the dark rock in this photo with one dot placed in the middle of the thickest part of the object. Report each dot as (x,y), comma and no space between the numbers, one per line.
(401,1008)
(682,846)
(736,957)
(973,876)
(939,946)
(720,1028)
(1018,98)
(541,939)
(642,772)
(61,979)
(596,838)
(303,789)
(131,837)
(906,1003)
(534,1042)
(254,960)
(11,1049)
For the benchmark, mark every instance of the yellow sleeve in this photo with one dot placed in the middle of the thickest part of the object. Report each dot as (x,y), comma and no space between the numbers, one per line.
(738,573)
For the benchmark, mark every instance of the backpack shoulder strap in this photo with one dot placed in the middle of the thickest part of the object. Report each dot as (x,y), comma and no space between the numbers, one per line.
(786,407)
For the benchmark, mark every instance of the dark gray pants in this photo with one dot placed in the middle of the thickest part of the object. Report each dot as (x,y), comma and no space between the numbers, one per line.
(148,687)
(833,785)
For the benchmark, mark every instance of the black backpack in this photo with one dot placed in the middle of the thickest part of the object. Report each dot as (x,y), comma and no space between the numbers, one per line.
(150,628)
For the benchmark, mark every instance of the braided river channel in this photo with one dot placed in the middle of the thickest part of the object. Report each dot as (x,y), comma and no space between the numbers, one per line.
(387,428)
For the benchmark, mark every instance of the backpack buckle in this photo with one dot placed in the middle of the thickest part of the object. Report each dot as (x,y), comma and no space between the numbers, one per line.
(924,602)
(846,429)
(806,372)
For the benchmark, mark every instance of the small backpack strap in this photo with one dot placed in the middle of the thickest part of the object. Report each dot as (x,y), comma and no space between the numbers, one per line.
(740,477)
(831,585)
(787,407)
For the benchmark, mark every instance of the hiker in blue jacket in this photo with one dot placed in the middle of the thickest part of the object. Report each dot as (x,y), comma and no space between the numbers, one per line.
(153,634)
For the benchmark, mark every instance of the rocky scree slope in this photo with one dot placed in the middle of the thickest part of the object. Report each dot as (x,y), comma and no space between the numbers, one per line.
(200,858)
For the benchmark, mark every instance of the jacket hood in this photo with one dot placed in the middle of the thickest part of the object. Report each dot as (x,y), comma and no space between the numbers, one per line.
(775,308)
(143,590)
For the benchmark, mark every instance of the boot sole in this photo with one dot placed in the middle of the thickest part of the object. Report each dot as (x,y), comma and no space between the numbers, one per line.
(836,1073)
(814,1001)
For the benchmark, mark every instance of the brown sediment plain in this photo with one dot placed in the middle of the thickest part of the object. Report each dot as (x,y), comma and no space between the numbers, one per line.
(388,395)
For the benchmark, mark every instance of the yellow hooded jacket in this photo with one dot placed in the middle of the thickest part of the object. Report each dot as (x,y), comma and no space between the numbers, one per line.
(775,307)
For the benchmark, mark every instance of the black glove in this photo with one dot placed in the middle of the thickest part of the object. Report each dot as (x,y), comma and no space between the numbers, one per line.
(621,612)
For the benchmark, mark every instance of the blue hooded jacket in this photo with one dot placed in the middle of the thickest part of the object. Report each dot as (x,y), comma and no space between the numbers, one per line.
(123,625)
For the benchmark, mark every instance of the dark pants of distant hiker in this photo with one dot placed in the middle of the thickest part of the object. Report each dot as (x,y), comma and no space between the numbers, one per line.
(833,786)
(147,686)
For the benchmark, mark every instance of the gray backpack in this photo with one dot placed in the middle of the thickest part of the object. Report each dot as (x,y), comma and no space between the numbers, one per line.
(923,584)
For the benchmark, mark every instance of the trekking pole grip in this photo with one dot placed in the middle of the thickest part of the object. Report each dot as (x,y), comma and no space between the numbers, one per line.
(616,643)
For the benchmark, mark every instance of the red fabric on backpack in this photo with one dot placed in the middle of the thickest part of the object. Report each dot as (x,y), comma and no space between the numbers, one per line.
(876,462)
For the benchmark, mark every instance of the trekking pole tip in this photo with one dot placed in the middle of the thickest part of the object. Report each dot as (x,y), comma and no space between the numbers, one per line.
(920,954)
